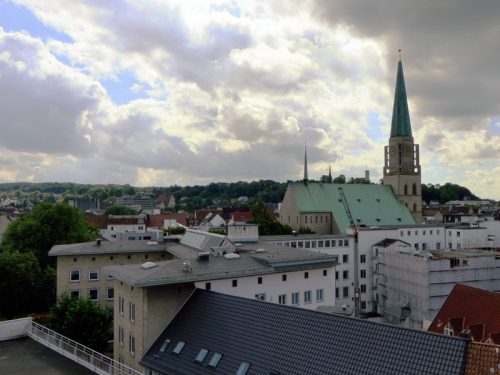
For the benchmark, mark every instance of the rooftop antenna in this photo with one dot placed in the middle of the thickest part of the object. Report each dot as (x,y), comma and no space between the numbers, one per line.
(399,51)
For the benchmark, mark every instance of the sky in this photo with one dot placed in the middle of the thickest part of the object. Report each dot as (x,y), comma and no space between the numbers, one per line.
(184,92)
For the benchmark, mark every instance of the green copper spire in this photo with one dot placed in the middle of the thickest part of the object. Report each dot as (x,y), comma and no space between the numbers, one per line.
(401,126)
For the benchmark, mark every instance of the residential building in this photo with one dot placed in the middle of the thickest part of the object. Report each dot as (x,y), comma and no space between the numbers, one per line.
(412,286)
(138,202)
(222,334)
(80,265)
(470,312)
(166,201)
(402,156)
(148,295)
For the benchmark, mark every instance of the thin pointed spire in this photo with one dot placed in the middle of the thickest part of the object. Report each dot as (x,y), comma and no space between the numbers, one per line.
(400,126)
(306,178)
(330,173)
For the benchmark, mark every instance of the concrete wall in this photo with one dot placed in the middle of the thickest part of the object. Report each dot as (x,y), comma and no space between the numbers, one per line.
(85,262)
(13,329)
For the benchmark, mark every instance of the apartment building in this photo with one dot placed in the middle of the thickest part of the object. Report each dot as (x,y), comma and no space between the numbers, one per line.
(149,294)
(80,265)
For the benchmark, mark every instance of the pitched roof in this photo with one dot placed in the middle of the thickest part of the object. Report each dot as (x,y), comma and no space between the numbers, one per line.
(369,204)
(157,221)
(481,358)
(400,126)
(289,340)
(469,308)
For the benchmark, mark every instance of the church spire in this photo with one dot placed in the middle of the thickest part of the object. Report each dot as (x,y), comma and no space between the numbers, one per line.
(401,126)
(330,173)
(306,178)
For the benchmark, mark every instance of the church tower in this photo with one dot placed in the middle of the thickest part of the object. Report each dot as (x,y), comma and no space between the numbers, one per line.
(401,156)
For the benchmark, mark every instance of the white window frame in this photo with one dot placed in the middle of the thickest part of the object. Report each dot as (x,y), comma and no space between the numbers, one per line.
(70,275)
(121,305)
(107,294)
(320,295)
(75,291)
(96,271)
(362,274)
(307,297)
(97,290)
(131,311)
(131,344)
(295,299)
(120,336)
(260,296)
(282,299)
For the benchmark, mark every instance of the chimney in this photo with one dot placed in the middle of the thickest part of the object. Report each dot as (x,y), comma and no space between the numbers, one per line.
(98,242)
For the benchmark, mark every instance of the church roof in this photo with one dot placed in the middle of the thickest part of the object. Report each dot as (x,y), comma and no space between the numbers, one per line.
(369,204)
(401,126)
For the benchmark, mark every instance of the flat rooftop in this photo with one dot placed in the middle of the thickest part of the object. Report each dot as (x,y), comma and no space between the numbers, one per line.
(25,356)
(108,247)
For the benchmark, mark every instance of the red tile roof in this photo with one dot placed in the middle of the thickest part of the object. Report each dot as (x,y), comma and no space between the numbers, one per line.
(471,310)
(157,221)
(241,216)
(481,358)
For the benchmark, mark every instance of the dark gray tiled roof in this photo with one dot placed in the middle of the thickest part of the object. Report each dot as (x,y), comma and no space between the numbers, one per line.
(291,340)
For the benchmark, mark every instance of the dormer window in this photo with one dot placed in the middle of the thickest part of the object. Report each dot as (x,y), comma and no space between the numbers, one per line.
(448,331)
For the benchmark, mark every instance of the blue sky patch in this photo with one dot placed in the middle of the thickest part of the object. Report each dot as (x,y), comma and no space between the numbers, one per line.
(120,89)
(17,18)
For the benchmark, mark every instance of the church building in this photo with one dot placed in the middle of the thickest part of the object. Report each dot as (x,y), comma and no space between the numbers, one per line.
(328,208)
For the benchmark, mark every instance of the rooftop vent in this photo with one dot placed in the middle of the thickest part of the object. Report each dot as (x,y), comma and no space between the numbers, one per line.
(204,256)
(238,244)
(261,251)
(148,265)
(152,243)
(232,256)
(98,242)
(186,266)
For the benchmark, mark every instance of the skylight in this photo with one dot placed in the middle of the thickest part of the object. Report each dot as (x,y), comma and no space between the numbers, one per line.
(164,345)
(215,360)
(178,348)
(201,355)
(242,370)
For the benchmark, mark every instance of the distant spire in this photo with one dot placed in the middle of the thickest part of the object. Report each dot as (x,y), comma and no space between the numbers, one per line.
(330,173)
(400,126)
(306,178)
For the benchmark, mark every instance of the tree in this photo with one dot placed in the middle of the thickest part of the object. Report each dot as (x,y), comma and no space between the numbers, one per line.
(82,320)
(24,287)
(339,179)
(267,224)
(48,225)
(120,210)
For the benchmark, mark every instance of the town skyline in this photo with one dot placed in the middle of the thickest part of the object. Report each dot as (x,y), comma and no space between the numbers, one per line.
(192,93)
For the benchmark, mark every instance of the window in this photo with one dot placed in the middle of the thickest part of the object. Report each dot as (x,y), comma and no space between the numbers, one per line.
(109,277)
(94,294)
(346,242)
(75,293)
(345,274)
(178,348)
(93,274)
(363,305)
(363,274)
(438,245)
(458,234)
(131,312)
(319,295)
(121,305)
(437,231)
(401,233)
(243,369)
(306,219)
(201,355)
(260,296)
(208,286)
(282,299)
(448,331)
(327,243)
(316,219)
(363,288)
(345,258)
(320,243)
(409,233)
(307,297)
(110,294)
(295,298)
(336,275)
(164,345)
(416,246)
(215,360)
(362,258)
(337,294)
(345,291)
(306,275)
(430,232)
(259,280)
(449,233)
(74,275)
(423,232)
(406,189)
(424,246)
(131,344)
(235,283)
(325,272)
(283,277)
(416,233)
(120,336)
(308,244)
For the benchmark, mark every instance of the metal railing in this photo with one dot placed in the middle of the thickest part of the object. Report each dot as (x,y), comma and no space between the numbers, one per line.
(94,361)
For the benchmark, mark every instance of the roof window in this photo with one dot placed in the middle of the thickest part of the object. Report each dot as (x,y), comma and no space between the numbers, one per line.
(242,370)
(164,345)
(215,360)
(201,355)
(178,348)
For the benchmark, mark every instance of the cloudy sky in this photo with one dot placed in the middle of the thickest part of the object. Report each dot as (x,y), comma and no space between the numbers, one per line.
(189,92)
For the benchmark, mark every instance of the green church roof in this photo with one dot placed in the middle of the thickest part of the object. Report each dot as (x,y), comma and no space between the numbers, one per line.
(370,204)
(401,126)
